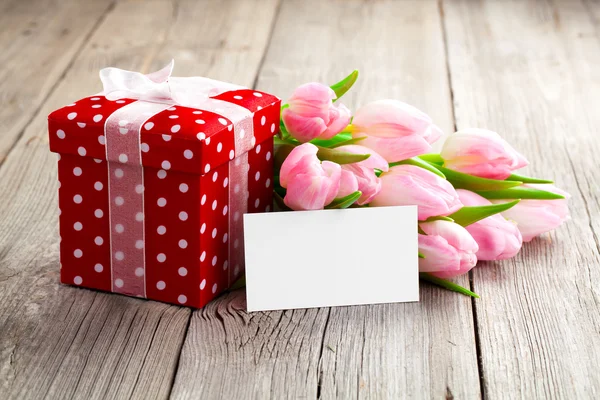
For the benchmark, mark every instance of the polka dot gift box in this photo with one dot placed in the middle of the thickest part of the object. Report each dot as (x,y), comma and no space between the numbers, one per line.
(155,173)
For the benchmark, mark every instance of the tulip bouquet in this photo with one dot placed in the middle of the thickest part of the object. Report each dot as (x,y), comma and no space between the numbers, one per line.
(471,204)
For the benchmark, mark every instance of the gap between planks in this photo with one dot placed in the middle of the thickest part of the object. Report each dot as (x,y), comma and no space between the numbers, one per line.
(219,60)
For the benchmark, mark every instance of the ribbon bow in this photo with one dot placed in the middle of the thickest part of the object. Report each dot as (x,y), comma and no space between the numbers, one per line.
(160,86)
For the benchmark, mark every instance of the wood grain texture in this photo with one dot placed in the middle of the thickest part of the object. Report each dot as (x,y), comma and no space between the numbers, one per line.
(424,350)
(231,354)
(39,40)
(529,70)
(62,342)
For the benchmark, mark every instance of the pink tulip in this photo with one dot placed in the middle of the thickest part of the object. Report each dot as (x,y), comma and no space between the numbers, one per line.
(448,248)
(348,184)
(311,113)
(367,182)
(310,184)
(482,153)
(411,185)
(395,130)
(374,161)
(534,217)
(498,239)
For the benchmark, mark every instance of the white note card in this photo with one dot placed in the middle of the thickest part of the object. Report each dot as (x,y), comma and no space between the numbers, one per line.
(331,258)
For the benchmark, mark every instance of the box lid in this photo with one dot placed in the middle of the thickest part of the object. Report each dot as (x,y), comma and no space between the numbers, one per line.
(168,136)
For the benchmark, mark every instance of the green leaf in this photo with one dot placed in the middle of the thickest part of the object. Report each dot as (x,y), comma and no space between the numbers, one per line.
(469,215)
(421,255)
(432,158)
(446,284)
(280,153)
(339,138)
(340,157)
(347,142)
(465,181)
(526,179)
(277,140)
(240,283)
(438,218)
(431,167)
(279,201)
(345,84)
(522,192)
(344,202)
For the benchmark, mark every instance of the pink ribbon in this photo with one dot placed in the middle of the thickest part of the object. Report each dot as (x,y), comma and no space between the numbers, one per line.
(156,92)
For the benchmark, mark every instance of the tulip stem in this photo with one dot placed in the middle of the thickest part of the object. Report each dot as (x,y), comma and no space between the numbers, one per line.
(280,203)
(432,158)
(347,142)
(277,140)
(446,284)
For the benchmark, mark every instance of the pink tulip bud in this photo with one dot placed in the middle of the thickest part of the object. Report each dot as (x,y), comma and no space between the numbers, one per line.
(412,185)
(498,239)
(448,248)
(395,130)
(534,217)
(310,184)
(311,113)
(348,184)
(482,153)
(374,161)
(367,182)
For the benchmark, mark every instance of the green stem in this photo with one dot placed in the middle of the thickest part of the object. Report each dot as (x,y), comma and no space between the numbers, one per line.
(446,284)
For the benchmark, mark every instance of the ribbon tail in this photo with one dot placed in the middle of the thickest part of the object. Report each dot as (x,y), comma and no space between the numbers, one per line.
(163,74)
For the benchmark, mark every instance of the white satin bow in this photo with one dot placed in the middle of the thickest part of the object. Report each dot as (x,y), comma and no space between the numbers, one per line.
(160,86)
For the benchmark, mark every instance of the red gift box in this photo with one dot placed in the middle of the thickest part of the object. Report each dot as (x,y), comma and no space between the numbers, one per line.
(155,174)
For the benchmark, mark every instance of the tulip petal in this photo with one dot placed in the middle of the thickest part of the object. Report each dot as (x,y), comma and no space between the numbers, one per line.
(339,118)
(368,183)
(439,255)
(334,172)
(312,100)
(481,152)
(411,185)
(497,238)
(374,161)
(308,192)
(391,119)
(534,217)
(396,149)
(292,160)
(302,128)
(456,235)
(348,184)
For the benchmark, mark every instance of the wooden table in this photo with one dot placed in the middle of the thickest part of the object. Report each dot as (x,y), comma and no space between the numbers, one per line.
(527,69)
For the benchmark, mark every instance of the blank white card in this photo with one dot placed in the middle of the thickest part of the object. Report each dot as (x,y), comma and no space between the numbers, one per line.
(331,258)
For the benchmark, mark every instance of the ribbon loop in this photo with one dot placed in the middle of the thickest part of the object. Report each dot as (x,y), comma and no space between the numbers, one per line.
(160,87)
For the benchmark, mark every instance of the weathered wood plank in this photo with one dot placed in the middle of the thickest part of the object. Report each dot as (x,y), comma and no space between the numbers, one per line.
(39,39)
(63,342)
(423,350)
(529,70)
(231,354)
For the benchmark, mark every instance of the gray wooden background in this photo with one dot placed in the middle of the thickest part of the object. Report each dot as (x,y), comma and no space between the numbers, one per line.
(527,69)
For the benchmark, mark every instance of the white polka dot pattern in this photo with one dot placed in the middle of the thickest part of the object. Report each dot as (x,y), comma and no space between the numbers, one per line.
(190,223)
